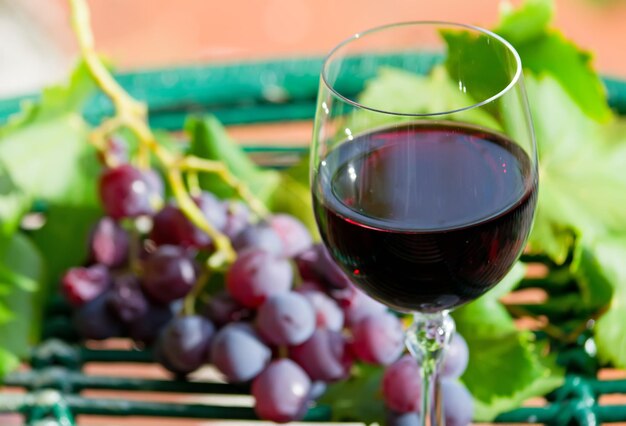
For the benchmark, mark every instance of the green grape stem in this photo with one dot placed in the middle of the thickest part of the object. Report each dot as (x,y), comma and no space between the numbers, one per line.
(132,114)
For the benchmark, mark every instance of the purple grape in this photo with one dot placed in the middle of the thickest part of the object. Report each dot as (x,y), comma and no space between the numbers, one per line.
(82,285)
(237,218)
(238,352)
(168,274)
(213,209)
(171,226)
(324,356)
(356,304)
(316,262)
(328,314)
(155,185)
(257,275)
(378,339)
(222,309)
(126,191)
(286,319)
(259,236)
(183,345)
(401,385)
(116,150)
(108,243)
(94,320)
(127,299)
(318,389)
(456,358)
(295,237)
(146,328)
(402,419)
(458,405)
(281,392)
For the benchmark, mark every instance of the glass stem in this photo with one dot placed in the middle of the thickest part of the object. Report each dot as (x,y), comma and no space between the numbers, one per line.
(427,339)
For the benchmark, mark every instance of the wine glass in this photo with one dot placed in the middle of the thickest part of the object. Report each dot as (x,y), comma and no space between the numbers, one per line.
(424,173)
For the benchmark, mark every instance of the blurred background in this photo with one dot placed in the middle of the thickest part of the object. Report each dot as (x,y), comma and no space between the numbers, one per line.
(37,46)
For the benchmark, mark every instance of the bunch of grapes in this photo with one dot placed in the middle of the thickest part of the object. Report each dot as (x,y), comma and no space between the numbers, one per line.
(288,321)
(402,388)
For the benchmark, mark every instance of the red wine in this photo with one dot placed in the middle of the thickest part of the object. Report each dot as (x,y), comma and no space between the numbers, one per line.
(426,216)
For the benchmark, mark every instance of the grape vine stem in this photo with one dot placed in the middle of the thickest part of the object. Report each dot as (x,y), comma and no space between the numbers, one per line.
(132,114)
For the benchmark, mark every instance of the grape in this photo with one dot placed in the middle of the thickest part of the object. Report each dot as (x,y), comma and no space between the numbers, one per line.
(281,392)
(295,237)
(222,309)
(108,243)
(213,209)
(402,419)
(126,192)
(94,320)
(324,356)
(356,304)
(456,358)
(237,218)
(116,150)
(458,406)
(260,236)
(146,328)
(256,275)
(286,319)
(318,389)
(316,262)
(401,385)
(127,299)
(168,274)
(171,226)
(183,345)
(327,313)
(378,339)
(305,262)
(238,352)
(81,285)
(155,185)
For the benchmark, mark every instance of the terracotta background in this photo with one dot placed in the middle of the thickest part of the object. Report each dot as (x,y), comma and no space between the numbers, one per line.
(38,46)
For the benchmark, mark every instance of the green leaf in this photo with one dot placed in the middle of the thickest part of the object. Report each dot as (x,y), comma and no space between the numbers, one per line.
(46,151)
(526,23)
(582,187)
(571,67)
(52,160)
(292,197)
(55,101)
(209,140)
(13,204)
(358,398)
(8,362)
(21,273)
(544,50)
(609,267)
(398,90)
(498,349)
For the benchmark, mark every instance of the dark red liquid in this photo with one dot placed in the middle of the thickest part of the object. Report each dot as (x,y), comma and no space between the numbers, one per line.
(426,216)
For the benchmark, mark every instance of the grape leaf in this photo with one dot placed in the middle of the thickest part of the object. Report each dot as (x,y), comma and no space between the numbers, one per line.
(609,269)
(582,188)
(280,191)
(21,273)
(545,50)
(498,349)
(208,139)
(526,23)
(54,101)
(13,204)
(358,398)
(8,362)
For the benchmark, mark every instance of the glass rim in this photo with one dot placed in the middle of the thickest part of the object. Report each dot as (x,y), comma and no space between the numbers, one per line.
(356,36)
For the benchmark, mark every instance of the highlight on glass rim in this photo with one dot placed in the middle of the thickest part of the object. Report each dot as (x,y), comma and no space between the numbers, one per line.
(403,214)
